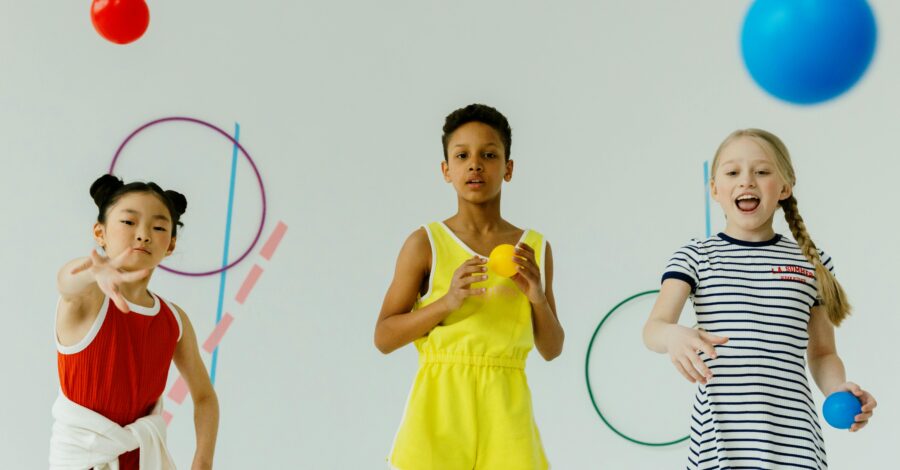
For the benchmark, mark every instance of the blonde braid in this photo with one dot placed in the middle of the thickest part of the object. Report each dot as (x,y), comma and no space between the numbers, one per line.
(830,291)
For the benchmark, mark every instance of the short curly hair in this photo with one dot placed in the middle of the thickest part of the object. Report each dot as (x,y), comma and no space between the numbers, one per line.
(478,113)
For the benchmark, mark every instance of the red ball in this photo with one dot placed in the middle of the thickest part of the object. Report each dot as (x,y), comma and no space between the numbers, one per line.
(120,21)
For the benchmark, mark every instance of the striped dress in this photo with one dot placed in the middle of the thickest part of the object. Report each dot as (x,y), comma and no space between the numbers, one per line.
(757,411)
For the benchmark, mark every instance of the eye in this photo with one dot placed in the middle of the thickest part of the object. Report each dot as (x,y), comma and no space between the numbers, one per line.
(731,172)
(461,155)
(489,155)
(160,229)
(763,172)
(127,222)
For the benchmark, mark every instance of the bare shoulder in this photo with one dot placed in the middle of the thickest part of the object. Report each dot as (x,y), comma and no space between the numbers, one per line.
(416,251)
(185,320)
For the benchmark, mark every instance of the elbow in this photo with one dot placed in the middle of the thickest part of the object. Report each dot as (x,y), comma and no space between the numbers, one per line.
(551,355)
(383,348)
(554,351)
(207,401)
(646,336)
(383,344)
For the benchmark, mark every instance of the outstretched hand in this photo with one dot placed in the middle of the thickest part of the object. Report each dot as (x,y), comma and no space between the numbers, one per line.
(109,275)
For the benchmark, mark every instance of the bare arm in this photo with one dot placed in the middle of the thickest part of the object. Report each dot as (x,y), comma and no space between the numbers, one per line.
(206,403)
(396,325)
(82,284)
(825,365)
(548,332)
(663,334)
(78,277)
(827,368)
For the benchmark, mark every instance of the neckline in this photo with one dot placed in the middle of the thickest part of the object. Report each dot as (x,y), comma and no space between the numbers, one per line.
(735,241)
(469,249)
(148,311)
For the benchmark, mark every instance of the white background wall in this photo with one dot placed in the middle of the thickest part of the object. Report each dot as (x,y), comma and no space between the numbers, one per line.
(614,105)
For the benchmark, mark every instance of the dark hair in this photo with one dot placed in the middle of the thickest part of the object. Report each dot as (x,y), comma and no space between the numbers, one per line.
(478,113)
(107,189)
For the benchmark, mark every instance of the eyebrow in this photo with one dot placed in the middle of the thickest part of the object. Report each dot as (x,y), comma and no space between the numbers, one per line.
(486,145)
(157,216)
(755,162)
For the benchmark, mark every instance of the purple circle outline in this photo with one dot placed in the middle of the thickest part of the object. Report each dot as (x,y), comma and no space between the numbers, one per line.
(262,190)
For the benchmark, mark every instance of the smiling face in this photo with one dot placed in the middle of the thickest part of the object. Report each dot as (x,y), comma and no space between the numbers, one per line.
(748,186)
(476,162)
(141,224)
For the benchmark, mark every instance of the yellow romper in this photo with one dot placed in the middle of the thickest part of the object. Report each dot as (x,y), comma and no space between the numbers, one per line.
(470,406)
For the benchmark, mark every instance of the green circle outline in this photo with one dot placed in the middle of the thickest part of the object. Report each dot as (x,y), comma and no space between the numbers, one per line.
(587,378)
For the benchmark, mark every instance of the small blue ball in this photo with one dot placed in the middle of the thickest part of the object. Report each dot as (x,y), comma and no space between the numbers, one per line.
(840,409)
(808,51)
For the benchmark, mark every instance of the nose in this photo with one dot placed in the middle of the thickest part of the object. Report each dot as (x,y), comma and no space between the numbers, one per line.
(475,164)
(143,236)
(748,180)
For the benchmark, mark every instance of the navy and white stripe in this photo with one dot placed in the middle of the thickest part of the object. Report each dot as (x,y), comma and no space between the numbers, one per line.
(757,411)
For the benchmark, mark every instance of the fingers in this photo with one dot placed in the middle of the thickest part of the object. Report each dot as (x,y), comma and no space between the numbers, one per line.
(96,258)
(82,267)
(120,258)
(526,265)
(857,426)
(473,261)
(700,367)
(471,269)
(466,281)
(525,251)
(527,268)
(683,372)
(691,369)
(119,300)
(711,338)
(869,404)
(706,348)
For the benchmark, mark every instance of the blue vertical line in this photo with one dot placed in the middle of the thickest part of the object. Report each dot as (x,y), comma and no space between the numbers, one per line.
(222,275)
(706,199)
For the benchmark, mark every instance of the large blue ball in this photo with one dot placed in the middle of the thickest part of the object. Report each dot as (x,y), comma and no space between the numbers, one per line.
(840,409)
(808,51)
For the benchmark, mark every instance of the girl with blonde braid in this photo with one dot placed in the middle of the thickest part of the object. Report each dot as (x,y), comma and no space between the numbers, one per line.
(766,306)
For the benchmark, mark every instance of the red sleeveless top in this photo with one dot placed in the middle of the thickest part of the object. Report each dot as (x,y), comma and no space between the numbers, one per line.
(119,369)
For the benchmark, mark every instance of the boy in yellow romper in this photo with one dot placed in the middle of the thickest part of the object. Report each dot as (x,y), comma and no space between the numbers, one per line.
(470,406)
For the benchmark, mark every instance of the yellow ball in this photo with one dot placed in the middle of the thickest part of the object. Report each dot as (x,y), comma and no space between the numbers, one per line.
(501,260)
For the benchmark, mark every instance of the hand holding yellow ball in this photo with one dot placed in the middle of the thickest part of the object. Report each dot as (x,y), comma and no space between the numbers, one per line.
(501,260)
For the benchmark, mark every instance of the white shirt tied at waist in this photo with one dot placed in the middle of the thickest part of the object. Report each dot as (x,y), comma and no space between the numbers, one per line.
(83,438)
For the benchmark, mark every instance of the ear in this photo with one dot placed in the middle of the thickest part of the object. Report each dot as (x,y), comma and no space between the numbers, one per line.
(713,191)
(171,247)
(786,192)
(509,171)
(445,170)
(100,234)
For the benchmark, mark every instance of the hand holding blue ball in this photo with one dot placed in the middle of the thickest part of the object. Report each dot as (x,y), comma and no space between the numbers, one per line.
(840,409)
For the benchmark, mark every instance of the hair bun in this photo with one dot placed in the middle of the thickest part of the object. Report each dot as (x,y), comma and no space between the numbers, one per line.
(104,187)
(179,202)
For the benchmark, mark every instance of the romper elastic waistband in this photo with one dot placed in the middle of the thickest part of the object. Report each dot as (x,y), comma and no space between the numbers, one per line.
(484,361)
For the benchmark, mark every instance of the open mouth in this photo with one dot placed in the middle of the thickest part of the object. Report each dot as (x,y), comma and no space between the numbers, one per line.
(475,183)
(747,203)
